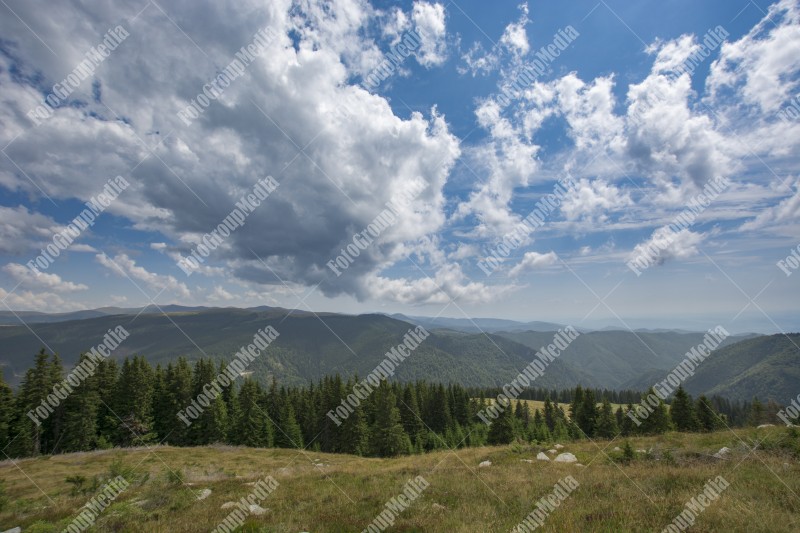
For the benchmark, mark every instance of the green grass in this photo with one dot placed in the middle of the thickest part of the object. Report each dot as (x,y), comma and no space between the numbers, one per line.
(347,492)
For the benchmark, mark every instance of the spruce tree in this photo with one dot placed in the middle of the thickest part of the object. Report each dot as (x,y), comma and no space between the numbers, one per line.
(606,422)
(251,426)
(6,412)
(80,416)
(707,417)
(502,430)
(387,436)
(682,411)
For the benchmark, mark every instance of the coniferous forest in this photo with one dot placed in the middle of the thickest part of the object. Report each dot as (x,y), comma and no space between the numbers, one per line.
(134,404)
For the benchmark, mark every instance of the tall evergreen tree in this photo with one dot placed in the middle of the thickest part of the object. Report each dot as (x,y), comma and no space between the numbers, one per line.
(708,419)
(387,435)
(682,411)
(606,422)
(502,430)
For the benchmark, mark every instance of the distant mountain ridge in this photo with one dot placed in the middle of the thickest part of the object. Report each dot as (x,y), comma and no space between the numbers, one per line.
(478,352)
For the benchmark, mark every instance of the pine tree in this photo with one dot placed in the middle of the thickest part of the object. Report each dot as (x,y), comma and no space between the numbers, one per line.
(31,437)
(107,373)
(211,425)
(387,436)
(607,427)
(134,403)
(586,418)
(502,430)
(6,412)
(707,418)
(409,412)
(251,426)
(756,417)
(287,434)
(549,413)
(80,416)
(658,420)
(682,411)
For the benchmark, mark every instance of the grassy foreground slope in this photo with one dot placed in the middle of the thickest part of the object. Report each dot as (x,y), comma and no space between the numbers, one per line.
(339,493)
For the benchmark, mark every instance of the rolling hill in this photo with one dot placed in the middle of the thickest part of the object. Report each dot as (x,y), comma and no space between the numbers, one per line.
(309,346)
(767,367)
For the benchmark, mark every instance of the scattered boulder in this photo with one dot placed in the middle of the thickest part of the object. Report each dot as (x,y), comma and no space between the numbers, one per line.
(203,494)
(14,530)
(552,451)
(485,464)
(617,449)
(566,458)
(641,451)
(766,426)
(438,507)
(722,453)
(578,464)
(558,447)
(528,460)
(228,505)
(541,456)
(256,509)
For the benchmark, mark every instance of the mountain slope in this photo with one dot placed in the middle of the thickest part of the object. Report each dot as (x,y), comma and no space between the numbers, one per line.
(309,346)
(615,358)
(767,367)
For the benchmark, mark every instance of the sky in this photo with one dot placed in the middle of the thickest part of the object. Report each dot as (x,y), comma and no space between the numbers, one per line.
(387,157)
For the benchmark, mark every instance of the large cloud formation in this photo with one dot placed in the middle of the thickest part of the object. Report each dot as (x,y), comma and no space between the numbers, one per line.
(297,114)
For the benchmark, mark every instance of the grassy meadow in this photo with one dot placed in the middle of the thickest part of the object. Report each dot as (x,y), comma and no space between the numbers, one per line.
(340,493)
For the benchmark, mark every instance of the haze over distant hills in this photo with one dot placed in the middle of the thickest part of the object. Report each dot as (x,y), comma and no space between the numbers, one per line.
(481,351)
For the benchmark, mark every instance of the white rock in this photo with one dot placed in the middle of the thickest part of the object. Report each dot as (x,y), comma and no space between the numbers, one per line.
(641,451)
(552,451)
(256,509)
(484,464)
(722,453)
(617,449)
(566,458)
(541,456)
(527,460)
(14,530)
(203,494)
(766,426)
(228,505)
(578,464)
(558,446)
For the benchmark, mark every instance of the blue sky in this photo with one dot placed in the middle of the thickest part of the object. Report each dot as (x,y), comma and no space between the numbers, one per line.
(635,109)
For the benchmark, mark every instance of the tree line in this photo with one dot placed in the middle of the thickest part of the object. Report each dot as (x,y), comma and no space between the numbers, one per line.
(135,404)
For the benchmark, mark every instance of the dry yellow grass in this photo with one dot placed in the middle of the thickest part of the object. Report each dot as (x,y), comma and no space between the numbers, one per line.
(347,492)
